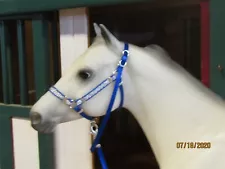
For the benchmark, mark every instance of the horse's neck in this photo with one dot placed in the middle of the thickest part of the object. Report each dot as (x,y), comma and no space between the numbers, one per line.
(170,105)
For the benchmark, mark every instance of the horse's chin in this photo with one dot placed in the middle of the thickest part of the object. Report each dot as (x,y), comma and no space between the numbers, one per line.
(46,128)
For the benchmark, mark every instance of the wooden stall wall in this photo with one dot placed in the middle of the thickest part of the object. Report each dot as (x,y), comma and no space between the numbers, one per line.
(29,59)
(29,51)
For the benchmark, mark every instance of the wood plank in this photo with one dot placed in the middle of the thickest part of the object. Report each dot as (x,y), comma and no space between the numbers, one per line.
(73,140)
(145,6)
(22,6)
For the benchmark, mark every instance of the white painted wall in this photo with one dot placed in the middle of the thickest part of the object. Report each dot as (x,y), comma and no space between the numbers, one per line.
(25,143)
(73,140)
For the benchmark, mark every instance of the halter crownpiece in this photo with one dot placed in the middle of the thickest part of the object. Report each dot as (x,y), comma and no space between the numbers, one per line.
(76,104)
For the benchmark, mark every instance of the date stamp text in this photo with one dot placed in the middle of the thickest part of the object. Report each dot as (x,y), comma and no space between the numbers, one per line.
(193,145)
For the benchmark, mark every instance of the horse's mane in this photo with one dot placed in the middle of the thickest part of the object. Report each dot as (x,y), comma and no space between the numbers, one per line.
(163,57)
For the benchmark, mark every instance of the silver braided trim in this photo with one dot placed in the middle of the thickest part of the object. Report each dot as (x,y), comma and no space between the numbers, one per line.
(65,99)
(72,103)
(99,88)
(56,93)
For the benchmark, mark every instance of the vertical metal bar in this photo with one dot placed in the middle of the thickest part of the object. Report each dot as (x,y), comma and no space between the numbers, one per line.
(41,51)
(46,151)
(55,41)
(9,66)
(8,96)
(4,61)
(6,142)
(22,63)
(42,81)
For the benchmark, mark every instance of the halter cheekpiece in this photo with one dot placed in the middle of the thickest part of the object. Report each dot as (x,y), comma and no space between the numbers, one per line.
(76,105)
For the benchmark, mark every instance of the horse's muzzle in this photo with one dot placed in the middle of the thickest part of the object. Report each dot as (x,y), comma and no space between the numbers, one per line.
(35,118)
(38,124)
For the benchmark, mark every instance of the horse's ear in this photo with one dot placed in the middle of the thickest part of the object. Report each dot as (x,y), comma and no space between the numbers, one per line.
(110,40)
(97,30)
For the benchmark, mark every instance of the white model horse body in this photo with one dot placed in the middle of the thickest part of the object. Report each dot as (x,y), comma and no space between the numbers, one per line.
(170,105)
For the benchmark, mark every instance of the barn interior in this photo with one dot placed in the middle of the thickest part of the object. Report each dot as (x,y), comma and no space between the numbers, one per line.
(175,26)
(15,49)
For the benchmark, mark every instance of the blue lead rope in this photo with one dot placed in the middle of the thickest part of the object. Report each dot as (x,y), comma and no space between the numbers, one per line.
(76,104)
(101,158)
(108,112)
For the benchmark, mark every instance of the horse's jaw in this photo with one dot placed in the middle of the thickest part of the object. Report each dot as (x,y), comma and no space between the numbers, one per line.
(171,106)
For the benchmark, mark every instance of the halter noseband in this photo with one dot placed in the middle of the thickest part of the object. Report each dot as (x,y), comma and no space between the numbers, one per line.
(76,104)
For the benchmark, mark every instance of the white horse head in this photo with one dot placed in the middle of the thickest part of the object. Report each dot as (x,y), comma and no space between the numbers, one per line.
(95,65)
(170,105)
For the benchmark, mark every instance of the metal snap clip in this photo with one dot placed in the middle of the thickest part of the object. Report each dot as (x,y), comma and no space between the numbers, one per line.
(94,128)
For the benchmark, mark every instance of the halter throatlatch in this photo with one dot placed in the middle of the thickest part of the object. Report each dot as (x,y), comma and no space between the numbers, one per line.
(76,105)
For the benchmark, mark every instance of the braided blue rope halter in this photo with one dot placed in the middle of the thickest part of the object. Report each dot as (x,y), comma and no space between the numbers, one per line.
(76,104)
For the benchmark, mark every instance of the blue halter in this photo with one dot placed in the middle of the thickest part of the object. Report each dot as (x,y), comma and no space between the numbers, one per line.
(76,104)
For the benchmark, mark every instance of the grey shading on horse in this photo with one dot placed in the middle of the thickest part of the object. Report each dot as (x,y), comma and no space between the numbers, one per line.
(183,120)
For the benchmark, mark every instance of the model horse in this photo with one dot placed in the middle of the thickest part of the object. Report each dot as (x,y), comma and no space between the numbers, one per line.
(183,120)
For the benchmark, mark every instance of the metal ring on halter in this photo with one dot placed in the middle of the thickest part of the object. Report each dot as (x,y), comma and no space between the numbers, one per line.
(114,72)
(120,63)
(128,52)
(98,146)
(77,103)
(94,128)
(109,79)
(73,104)
(66,101)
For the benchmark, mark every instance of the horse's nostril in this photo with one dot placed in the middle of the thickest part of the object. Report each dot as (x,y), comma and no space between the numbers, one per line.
(35,118)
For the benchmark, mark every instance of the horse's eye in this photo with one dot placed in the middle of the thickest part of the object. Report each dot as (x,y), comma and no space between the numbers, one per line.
(85,74)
